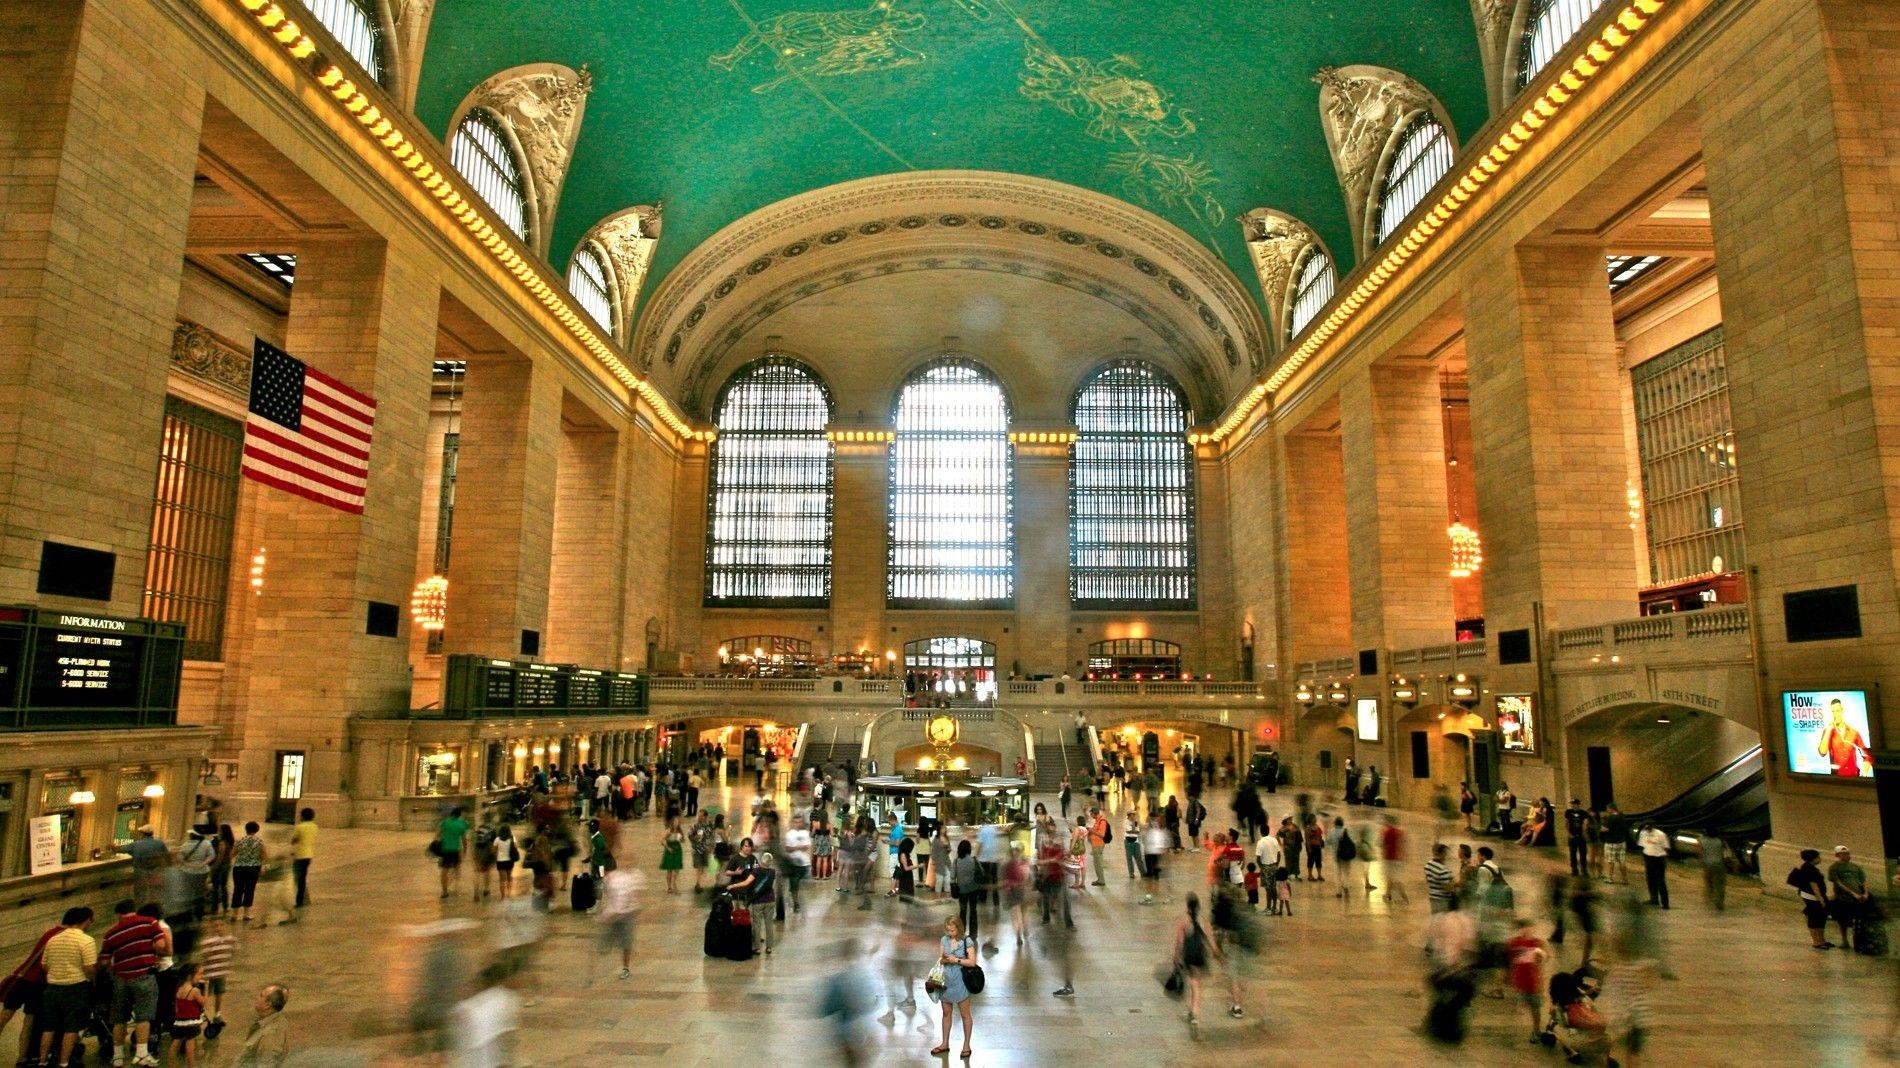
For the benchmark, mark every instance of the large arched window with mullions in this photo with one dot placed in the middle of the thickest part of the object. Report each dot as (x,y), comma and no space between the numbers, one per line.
(1423,155)
(1548,27)
(952,510)
(480,152)
(1131,492)
(768,529)
(353,24)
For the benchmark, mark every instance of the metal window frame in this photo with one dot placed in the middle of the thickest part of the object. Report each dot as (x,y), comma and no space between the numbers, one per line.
(732,437)
(1423,155)
(1549,25)
(480,152)
(1683,418)
(1312,289)
(194,525)
(1151,437)
(355,26)
(587,280)
(903,517)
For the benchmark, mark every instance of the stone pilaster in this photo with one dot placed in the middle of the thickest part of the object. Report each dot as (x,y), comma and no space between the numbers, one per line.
(504,506)
(1317,605)
(859,540)
(95,188)
(1393,444)
(365,313)
(584,619)
(1042,561)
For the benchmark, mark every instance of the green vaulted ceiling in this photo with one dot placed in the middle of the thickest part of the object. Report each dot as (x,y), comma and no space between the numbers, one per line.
(1197,111)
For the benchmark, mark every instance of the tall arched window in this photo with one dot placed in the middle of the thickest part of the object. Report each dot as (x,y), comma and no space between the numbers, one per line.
(480,152)
(1131,492)
(1548,26)
(587,280)
(952,510)
(1423,156)
(1312,288)
(768,529)
(353,24)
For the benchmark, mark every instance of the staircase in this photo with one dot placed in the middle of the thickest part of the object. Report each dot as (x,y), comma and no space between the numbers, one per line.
(1056,759)
(829,756)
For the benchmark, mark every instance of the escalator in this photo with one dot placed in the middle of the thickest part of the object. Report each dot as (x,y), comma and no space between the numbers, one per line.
(1731,804)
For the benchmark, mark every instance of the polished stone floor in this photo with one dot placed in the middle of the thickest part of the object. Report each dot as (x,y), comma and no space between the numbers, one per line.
(1339,983)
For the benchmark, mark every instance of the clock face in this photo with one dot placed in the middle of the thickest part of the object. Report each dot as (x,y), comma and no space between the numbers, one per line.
(942,730)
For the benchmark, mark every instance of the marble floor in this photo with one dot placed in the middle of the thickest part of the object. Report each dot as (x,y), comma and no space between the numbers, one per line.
(1338,982)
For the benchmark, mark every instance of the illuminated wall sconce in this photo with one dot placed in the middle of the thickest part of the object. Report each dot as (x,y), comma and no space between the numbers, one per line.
(1304,695)
(154,790)
(520,751)
(81,796)
(1404,692)
(1462,689)
(257,572)
(1338,694)
(429,603)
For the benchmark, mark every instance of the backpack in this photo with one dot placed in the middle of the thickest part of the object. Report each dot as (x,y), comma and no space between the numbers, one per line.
(1502,896)
(1347,849)
(1795,879)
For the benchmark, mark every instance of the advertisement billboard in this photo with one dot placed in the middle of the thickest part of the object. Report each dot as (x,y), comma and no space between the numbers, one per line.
(1517,723)
(1368,708)
(1829,733)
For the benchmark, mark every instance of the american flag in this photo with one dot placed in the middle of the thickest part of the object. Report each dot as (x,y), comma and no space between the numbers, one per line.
(307,433)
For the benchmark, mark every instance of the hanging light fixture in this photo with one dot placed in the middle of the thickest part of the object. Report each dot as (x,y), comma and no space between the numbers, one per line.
(429,604)
(1467,552)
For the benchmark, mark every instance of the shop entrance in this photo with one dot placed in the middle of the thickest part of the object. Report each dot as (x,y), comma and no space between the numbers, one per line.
(286,786)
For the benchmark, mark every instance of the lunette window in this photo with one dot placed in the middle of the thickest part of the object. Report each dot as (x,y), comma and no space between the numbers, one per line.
(952,532)
(587,280)
(480,153)
(1131,492)
(768,530)
(353,24)
(1548,26)
(1312,288)
(1423,156)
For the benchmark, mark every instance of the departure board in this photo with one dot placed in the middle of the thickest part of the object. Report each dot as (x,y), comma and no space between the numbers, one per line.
(480,686)
(69,669)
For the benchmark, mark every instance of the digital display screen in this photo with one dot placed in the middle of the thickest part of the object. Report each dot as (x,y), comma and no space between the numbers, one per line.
(499,688)
(585,690)
(85,669)
(1517,722)
(537,689)
(1829,733)
(1368,708)
(625,693)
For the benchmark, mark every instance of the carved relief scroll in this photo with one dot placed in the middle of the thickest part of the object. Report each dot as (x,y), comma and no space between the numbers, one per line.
(1276,242)
(541,104)
(1360,108)
(628,238)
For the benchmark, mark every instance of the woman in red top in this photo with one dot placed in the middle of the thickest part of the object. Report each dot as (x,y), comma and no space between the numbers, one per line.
(188,1015)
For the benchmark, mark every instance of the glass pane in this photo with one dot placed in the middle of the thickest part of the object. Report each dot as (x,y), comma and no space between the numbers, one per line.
(1423,156)
(769,514)
(1685,438)
(1131,492)
(952,512)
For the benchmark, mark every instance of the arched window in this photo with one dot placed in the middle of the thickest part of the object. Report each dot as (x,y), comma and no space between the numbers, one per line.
(1548,26)
(1312,288)
(768,531)
(587,280)
(1423,156)
(952,512)
(480,152)
(353,24)
(950,668)
(1131,492)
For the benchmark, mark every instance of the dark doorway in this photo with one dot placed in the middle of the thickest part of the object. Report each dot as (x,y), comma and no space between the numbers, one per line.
(1597,758)
(1421,755)
(286,786)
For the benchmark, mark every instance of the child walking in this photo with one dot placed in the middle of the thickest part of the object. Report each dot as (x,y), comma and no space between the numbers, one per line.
(1283,889)
(1253,886)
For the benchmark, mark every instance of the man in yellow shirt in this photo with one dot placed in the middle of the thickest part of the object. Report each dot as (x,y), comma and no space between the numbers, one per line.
(71,958)
(303,850)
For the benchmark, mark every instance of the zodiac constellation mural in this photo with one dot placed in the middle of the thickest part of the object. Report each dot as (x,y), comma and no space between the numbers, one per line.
(1111,96)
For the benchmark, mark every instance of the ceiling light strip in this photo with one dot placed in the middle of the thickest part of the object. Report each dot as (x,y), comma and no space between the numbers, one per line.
(439,182)
(1590,60)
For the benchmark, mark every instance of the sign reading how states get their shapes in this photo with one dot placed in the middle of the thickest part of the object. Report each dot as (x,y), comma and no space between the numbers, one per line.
(44,845)
(1829,733)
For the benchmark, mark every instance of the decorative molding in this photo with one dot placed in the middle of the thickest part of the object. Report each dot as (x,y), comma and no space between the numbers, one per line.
(1276,241)
(1361,108)
(629,239)
(542,105)
(209,358)
(972,213)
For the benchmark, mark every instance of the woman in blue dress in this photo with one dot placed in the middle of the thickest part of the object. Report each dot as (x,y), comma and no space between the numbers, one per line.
(955,952)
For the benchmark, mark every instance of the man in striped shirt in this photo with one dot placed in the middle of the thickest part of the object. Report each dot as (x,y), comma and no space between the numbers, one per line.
(133,947)
(1438,879)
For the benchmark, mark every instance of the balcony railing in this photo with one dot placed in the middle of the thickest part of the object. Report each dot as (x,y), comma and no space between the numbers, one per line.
(1012,692)
(1676,626)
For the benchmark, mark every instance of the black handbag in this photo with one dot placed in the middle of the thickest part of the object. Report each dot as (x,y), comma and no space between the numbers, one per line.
(973,978)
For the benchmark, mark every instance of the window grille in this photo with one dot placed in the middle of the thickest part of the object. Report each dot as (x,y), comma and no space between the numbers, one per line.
(1131,492)
(1549,26)
(194,508)
(951,668)
(768,537)
(1686,440)
(353,24)
(480,153)
(1625,270)
(281,266)
(587,280)
(952,510)
(1312,288)
(1422,158)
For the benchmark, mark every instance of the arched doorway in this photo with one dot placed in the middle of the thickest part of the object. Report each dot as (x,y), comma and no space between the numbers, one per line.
(1434,752)
(1644,755)
(1324,738)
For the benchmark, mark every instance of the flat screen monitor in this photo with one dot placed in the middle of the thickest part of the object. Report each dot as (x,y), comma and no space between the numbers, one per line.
(1368,708)
(1829,733)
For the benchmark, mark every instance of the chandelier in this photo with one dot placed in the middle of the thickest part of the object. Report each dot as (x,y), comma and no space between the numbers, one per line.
(429,604)
(1467,553)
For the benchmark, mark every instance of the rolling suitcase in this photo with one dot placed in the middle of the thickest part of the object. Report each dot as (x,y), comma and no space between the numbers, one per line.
(580,892)
(718,921)
(739,935)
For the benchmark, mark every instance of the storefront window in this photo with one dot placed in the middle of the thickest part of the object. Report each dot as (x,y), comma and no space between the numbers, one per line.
(438,773)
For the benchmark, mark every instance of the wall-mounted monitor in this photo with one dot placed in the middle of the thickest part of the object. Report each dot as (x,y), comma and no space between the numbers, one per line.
(1368,708)
(1829,733)
(1517,723)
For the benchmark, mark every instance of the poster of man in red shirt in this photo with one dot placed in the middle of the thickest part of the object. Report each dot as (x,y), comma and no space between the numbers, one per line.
(1829,733)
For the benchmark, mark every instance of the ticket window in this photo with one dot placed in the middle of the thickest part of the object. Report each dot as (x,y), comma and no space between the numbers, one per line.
(140,796)
(438,773)
(68,797)
(11,820)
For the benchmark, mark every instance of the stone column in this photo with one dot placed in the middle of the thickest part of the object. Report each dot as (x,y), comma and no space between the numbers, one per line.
(1042,562)
(1319,597)
(861,476)
(102,140)
(1393,446)
(584,580)
(1547,441)
(365,313)
(1803,197)
(504,506)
